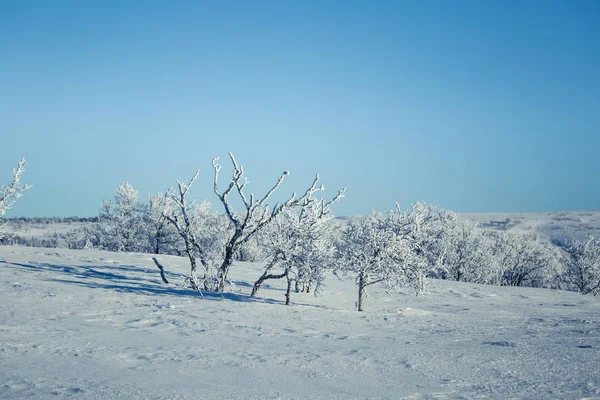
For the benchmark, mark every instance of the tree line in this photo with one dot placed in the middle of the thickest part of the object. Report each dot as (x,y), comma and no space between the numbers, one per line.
(299,241)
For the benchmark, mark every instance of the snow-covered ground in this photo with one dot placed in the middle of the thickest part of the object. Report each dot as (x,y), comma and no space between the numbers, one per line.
(100,325)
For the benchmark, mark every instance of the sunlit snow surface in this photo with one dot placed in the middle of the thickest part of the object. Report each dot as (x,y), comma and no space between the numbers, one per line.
(100,325)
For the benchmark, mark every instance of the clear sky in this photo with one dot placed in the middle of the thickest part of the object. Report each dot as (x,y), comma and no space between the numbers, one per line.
(475,106)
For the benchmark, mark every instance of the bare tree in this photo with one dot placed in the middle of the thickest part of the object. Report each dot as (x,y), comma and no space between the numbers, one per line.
(9,194)
(257,213)
(183,218)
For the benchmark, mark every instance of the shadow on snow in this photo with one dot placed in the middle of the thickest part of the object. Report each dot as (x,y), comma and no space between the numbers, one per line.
(123,279)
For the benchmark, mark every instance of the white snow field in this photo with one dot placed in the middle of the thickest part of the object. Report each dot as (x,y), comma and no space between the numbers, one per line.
(100,325)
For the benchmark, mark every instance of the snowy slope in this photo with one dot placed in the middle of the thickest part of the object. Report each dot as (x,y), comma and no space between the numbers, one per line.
(553,226)
(99,325)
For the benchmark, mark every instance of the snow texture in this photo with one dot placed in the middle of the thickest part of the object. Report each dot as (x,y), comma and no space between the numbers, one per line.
(87,324)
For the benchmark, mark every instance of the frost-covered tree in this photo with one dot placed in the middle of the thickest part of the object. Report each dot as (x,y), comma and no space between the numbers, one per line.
(525,261)
(121,226)
(386,248)
(583,265)
(298,245)
(184,217)
(276,240)
(9,194)
(255,216)
(431,236)
(77,238)
(202,232)
(162,236)
(467,256)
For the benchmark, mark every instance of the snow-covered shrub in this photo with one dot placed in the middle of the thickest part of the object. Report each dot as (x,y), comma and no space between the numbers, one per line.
(255,216)
(9,194)
(526,261)
(162,236)
(432,237)
(53,240)
(467,255)
(298,246)
(583,265)
(121,225)
(81,238)
(386,248)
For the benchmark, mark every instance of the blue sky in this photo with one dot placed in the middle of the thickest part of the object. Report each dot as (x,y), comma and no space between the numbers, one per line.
(475,106)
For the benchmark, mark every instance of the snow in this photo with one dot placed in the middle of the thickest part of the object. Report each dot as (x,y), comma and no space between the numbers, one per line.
(99,325)
(552,226)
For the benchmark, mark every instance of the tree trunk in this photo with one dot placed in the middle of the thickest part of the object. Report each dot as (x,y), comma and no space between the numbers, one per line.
(206,274)
(458,275)
(361,292)
(222,273)
(308,287)
(227,261)
(162,270)
(289,288)
(192,269)
(157,242)
(192,262)
(188,251)
(263,278)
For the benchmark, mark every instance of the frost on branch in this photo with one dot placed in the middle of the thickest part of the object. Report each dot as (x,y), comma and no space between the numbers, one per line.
(256,214)
(386,248)
(202,232)
(298,245)
(9,194)
(162,236)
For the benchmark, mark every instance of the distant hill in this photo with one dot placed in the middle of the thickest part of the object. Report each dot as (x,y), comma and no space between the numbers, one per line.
(556,227)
